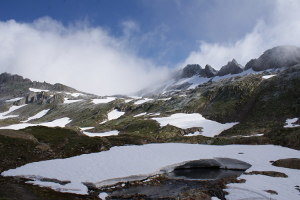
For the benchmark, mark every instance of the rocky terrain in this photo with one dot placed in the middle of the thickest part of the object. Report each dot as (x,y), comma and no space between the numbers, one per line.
(256,105)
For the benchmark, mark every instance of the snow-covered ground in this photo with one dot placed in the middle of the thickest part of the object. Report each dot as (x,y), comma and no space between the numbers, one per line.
(67,101)
(76,94)
(62,122)
(128,100)
(121,162)
(141,101)
(38,115)
(165,99)
(114,114)
(290,123)
(104,100)
(141,114)
(268,76)
(184,121)
(103,134)
(4,115)
(37,90)
(148,114)
(14,99)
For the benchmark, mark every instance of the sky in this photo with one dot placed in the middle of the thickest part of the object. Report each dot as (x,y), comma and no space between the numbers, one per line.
(121,46)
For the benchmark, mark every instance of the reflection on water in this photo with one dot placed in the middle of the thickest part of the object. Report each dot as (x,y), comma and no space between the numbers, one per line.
(203,173)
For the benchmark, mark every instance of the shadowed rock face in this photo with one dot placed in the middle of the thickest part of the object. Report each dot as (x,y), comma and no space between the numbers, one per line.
(209,71)
(231,68)
(281,56)
(196,70)
(191,70)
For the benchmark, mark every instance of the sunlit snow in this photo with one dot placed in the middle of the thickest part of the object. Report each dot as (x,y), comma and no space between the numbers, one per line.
(62,122)
(38,115)
(114,114)
(290,123)
(67,101)
(14,99)
(267,76)
(104,100)
(101,169)
(37,90)
(4,115)
(138,102)
(184,121)
(103,134)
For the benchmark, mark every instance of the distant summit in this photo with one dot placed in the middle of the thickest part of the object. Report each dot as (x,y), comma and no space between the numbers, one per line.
(15,85)
(196,70)
(281,56)
(232,67)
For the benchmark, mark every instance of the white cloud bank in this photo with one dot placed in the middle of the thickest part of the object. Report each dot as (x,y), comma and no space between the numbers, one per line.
(86,58)
(282,27)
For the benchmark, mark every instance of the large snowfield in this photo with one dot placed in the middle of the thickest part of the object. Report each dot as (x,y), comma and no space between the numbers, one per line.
(184,121)
(120,162)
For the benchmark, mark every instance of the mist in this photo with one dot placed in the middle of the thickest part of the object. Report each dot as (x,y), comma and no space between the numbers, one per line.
(86,58)
(280,27)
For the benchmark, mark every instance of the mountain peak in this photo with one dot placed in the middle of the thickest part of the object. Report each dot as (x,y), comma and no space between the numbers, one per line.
(280,56)
(191,70)
(232,67)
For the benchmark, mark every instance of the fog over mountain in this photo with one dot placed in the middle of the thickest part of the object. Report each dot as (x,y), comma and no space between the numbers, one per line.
(93,60)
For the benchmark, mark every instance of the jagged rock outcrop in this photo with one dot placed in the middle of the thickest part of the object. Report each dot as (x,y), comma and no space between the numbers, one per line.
(196,70)
(209,71)
(16,86)
(281,56)
(191,70)
(232,67)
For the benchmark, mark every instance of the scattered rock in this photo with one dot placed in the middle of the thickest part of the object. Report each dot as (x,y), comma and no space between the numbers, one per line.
(292,163)
(271,192)
(267,173)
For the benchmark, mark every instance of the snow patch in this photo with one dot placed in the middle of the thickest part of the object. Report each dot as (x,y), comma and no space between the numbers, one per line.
(62,122)
(67,101)
(104,100)
(4,115)
(38,115)
(14,99)
(268,76)
(37,90)
(128,100)
(103,134)
(114,114)
(290,123)
(139,115)
(141,101)
(165,99)
(86,128)
(103,195)
(184,121)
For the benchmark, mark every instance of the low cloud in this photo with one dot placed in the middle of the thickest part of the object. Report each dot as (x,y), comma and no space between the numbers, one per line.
(86,58)
(282,27)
